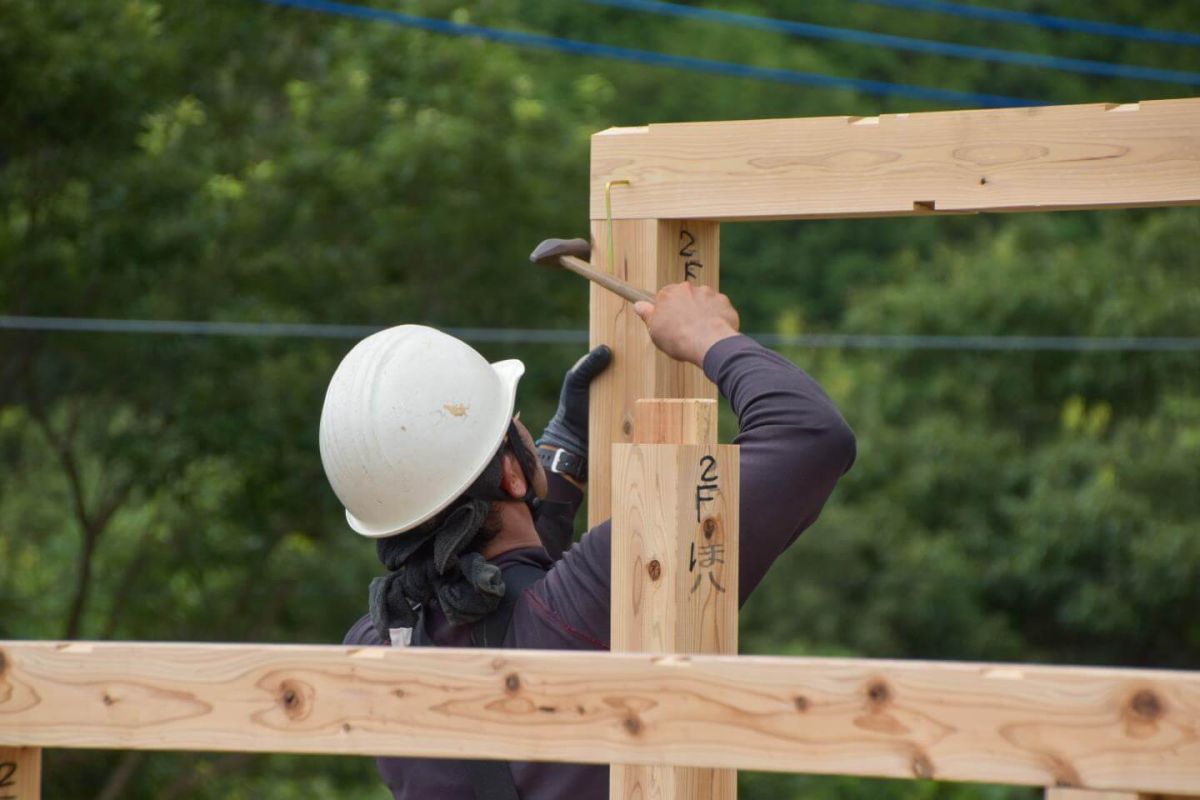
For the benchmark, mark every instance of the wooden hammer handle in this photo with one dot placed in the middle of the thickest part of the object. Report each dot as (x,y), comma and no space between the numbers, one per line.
(626,290)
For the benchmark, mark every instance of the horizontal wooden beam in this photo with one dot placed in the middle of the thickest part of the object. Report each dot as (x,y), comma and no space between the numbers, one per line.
(1035,725)
(1022,159)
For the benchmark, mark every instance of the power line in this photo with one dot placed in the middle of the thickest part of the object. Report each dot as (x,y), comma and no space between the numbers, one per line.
(723,68)
(832,341)
(906,43)
(1045,21)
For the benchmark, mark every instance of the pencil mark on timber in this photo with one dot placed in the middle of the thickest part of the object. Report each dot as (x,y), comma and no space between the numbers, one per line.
(8,771)
(709,482)
(688,253)
(1115,151)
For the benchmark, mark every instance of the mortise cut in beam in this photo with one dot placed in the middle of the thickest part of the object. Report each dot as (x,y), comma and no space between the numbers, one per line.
(1110,729)
(1100,155)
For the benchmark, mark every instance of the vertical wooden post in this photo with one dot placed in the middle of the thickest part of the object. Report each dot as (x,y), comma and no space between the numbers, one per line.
(648,253)
(674,564)
(20,773)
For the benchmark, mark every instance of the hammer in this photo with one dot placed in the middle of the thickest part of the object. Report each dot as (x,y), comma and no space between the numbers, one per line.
(570,254)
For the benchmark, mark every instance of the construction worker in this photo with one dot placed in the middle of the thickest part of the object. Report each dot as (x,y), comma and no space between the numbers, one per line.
(419,442)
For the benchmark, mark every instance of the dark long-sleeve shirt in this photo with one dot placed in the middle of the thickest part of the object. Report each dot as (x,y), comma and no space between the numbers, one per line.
(794,448)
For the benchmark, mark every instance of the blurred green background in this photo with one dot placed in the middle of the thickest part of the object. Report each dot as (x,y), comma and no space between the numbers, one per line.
(228,160)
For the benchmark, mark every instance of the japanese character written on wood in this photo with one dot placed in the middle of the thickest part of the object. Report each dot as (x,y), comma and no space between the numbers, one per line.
(687,251)
(8,772)
(703,560)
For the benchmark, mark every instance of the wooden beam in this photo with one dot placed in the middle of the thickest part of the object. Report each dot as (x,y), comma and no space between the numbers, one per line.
(649,254)
(674,563)
(1099,155)
(20,773)
(1060,793)
(1111,729)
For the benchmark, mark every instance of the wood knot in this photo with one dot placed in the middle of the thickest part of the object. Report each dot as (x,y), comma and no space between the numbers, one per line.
(627,427)
(922,767)
(709,527)
(633,725)
(511,682)
(345,727)
(547,709)
(801,703)
(107,699)
(983,181)
(397,693)
(655,570)
(294,697)
(1146,704)
(878,693)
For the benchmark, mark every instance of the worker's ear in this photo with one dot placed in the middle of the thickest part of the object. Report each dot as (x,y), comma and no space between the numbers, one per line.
(512,479)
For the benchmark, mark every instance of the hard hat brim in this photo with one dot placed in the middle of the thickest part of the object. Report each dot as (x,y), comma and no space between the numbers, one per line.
(509,372)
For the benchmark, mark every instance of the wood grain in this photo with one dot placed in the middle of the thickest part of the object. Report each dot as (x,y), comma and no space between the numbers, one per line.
(1061,793)
(674,563)
(674,421)
(1113,729)
(20,773)
(1024,159)
(649,254)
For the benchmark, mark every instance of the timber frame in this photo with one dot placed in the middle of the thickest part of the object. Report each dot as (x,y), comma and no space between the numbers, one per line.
(677,717)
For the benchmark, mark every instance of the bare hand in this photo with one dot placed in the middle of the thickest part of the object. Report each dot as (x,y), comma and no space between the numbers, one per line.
(685,320)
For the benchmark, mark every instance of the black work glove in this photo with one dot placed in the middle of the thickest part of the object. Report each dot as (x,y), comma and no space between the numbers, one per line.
(568,428)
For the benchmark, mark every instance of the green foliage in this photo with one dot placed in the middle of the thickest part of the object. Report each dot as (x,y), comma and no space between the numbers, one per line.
(233,161)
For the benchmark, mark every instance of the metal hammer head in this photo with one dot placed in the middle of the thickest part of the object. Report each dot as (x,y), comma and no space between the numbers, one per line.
(549,251)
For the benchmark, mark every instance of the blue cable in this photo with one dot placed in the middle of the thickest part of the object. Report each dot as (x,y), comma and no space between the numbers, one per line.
(1045,21)
(544,42)
(906,43)
(573,336)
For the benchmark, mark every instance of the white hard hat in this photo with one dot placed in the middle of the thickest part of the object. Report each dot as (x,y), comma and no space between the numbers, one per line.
(412,417)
